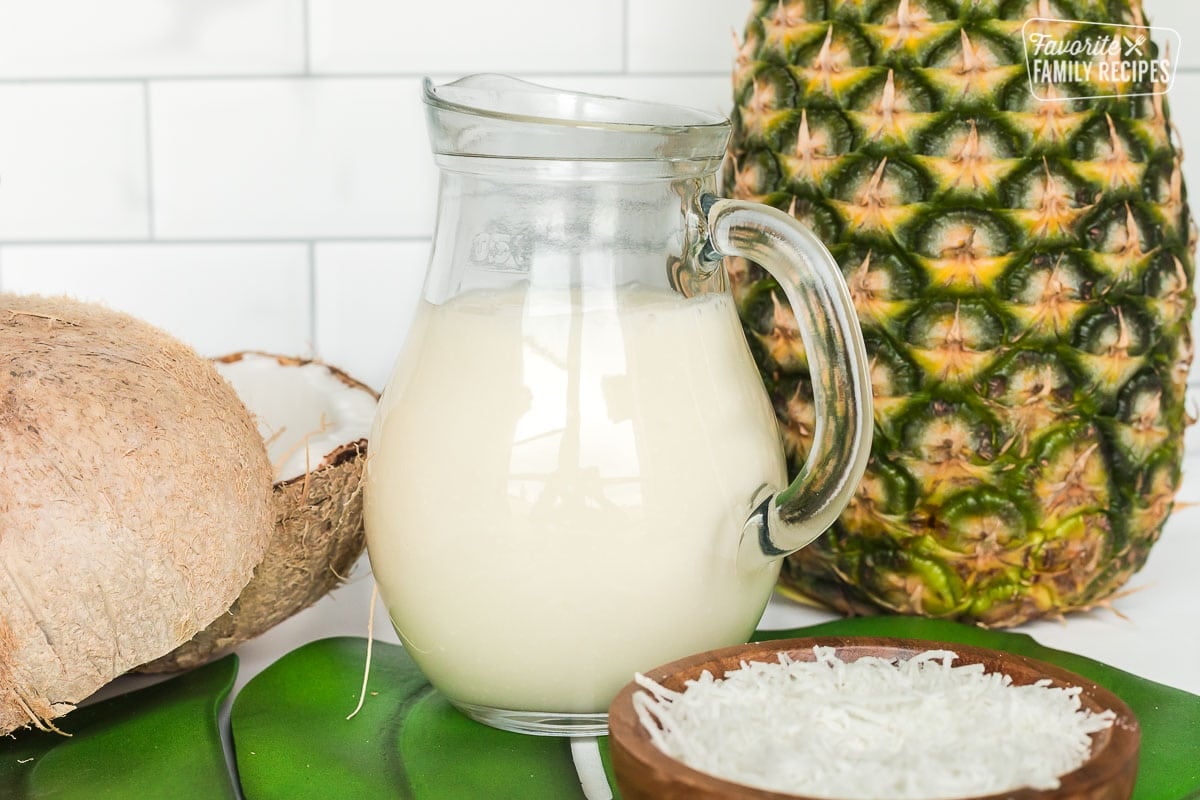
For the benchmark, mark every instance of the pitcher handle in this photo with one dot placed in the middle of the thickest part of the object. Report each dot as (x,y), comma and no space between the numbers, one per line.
(833,341)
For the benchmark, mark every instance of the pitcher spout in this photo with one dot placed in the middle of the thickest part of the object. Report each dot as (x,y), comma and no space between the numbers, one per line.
(500,117)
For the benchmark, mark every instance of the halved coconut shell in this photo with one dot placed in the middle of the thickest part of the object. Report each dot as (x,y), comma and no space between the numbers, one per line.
(314,419)
(135,500)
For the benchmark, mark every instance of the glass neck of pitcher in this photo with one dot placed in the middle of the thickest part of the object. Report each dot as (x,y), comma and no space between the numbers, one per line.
(558,189)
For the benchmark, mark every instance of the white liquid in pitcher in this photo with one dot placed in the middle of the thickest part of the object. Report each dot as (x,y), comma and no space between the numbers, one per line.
(536,547)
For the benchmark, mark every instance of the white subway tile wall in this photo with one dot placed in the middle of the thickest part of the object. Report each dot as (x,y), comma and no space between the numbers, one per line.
(256,173)
(406,36)
(687,36)
(219,298)
(83,39)
(366,294)
(73,161)
(303,158)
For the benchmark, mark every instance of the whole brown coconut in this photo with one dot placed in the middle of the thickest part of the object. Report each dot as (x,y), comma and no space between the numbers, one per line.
(135,500)
(315,418)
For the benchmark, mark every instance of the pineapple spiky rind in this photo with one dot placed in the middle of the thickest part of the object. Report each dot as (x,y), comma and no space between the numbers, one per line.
(1022,269)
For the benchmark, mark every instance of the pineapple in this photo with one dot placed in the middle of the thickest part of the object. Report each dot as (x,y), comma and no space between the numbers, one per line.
(1023,274)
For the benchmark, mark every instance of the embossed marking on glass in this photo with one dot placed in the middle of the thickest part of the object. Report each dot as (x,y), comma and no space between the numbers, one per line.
(575,472)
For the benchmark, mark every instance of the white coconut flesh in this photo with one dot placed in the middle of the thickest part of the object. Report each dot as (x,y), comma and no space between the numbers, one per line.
(305,412)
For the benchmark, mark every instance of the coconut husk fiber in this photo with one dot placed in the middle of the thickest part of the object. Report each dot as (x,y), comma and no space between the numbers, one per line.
(317,539)
(135,500)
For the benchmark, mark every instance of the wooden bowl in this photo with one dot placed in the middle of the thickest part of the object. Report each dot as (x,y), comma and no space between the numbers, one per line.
(643,772)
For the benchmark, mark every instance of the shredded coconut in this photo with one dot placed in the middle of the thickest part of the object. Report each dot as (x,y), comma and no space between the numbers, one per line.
(917,729)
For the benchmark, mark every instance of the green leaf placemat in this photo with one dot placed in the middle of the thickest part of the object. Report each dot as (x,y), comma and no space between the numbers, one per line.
(293,740)
(158,742)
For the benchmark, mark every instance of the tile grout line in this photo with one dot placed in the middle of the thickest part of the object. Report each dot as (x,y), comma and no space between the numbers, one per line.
(214,241)
(626,27)
(148,132)
(365,76)
(306,10)
(624,71)
(312,299)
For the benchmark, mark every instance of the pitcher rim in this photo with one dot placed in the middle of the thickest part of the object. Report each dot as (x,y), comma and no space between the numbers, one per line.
(702,119)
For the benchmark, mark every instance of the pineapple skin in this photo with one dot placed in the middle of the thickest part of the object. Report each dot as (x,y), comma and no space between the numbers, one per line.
(1023,274)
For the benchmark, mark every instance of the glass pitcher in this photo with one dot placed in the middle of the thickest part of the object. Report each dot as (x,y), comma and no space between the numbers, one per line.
(575,472)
